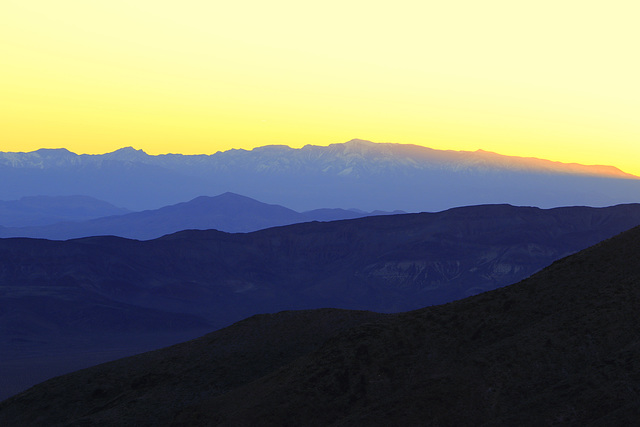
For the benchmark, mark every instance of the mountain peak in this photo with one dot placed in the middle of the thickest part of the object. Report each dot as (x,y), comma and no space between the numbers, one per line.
(127,154)
(232,195)
(53,151)
(357,141)
(128,150)
(277,148)
(224,197)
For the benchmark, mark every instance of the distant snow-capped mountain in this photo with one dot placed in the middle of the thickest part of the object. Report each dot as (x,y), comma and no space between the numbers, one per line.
(357,173)
(355,157)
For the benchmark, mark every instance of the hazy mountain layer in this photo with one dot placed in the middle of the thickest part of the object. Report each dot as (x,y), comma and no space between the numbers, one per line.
(358,174)
(83,295)
(227,212)
(43,210)
(559,348)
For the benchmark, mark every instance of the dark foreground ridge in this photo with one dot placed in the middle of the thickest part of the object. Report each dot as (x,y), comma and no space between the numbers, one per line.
(559,348)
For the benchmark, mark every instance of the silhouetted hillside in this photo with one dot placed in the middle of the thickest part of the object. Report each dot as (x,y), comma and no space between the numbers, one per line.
(559,348)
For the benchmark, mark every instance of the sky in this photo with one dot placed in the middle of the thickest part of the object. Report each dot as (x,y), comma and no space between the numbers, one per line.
(548,79)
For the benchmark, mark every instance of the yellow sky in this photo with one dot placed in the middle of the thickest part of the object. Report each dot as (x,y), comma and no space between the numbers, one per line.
(551,79)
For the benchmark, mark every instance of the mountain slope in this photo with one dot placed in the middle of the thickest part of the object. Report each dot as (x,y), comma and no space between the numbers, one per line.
(55,294)
(559,348)
(357,173)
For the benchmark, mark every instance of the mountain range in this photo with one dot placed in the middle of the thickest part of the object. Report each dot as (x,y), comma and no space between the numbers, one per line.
(226,212)
(359,174)
(559,348)
(61,301)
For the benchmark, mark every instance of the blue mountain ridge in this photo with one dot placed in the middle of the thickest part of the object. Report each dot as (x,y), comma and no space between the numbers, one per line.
(227,212)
